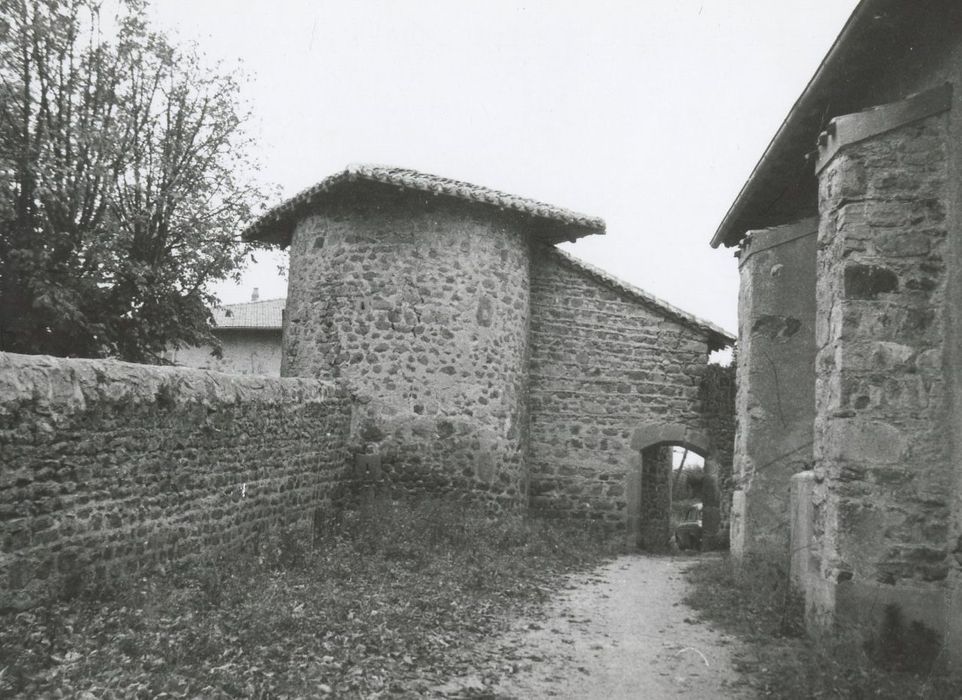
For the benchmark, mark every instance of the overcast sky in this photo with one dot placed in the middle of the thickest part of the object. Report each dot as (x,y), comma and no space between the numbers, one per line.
(650,114)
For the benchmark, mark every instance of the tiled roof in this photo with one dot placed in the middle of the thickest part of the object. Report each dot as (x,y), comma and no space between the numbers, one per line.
(277,224)
(717,336)
(265,314)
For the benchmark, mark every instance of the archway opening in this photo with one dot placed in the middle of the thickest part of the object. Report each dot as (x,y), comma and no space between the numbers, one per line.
(654,526)
(672,497)
(673,494)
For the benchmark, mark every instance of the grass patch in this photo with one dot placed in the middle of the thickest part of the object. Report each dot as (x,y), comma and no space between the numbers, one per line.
(388,601)
(756,604)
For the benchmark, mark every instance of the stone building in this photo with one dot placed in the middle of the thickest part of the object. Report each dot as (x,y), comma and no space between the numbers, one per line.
(484,361)
(435,340)
(849,331)
(250,340)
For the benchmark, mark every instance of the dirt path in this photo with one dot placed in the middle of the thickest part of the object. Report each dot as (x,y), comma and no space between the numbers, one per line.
(621,632)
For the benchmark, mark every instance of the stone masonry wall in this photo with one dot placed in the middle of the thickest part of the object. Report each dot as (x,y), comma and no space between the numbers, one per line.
(716,396)
(953,366)
(882,466)
(420,305)
(601,366)
(107,467)
(775,401)
(655,527)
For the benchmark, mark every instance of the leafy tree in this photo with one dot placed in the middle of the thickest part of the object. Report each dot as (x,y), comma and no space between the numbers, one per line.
(123,183)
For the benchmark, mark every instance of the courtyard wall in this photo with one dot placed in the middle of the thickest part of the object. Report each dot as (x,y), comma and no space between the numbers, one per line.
(109,468)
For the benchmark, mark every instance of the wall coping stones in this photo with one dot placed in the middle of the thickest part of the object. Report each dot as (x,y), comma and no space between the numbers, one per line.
(62,387)
(109,469)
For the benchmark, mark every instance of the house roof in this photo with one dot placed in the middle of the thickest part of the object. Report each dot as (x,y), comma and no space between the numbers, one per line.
(266,314)
(277,225)
(718,337)
(879,34)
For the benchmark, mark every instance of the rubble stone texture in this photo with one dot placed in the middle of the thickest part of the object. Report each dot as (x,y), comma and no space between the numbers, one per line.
(484,362)
(882,454)
(873,145)
(655,508)
(602,366)
(107,468)
(775,400)
(420,305)
(472,358)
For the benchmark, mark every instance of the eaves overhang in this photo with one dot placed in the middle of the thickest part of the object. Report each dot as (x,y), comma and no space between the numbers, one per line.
(553,223)
(782,185)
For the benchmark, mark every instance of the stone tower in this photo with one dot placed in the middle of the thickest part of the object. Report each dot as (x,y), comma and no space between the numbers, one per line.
(413,290)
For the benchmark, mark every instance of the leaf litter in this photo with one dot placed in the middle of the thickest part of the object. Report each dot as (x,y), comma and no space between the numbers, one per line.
(394,600)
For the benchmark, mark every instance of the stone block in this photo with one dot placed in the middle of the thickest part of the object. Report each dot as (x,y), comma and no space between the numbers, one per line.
(903,243)
(737,525)
(859,440)
(801,527)
(869,281)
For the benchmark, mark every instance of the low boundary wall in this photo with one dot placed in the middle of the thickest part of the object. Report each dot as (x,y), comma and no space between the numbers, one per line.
(108,467)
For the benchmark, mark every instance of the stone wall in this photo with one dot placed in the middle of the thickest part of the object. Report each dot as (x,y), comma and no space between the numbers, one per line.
(107,467)
(775,402)
(602,365)
(655,508)
(420,305)
(716,398)
(953,363)
(883,471)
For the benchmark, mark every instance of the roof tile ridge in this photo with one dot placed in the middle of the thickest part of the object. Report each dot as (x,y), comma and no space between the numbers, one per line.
(407,178)
(390,174)
(250,303)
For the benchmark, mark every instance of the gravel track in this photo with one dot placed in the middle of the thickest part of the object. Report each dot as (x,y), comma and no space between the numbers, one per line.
(621,631)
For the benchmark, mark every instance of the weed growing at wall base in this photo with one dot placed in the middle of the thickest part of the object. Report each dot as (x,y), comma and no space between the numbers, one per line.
(754,602)
(387,601)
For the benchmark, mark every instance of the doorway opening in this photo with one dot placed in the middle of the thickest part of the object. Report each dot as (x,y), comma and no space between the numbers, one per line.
(672,494)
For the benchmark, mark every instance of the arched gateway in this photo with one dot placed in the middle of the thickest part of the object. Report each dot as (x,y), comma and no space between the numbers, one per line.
(649,484)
